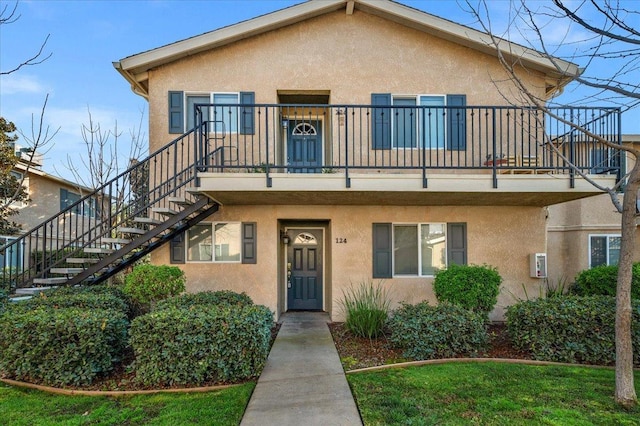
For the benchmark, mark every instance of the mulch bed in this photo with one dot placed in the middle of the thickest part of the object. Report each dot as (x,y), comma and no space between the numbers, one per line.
(356,352)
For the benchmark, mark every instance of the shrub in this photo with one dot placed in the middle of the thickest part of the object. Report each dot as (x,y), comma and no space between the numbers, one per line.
(61,346)
(602,281)
(427,332)
(204,344)
(4,300)
(7,279)
(63,300)
(366,308)
(205,298)
(472,287)
(147,284)
(569,329)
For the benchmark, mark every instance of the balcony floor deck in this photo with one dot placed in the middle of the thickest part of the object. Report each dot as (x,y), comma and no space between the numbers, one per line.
(395,189)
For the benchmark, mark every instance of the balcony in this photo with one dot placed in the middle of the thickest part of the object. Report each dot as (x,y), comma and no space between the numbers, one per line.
(399,154)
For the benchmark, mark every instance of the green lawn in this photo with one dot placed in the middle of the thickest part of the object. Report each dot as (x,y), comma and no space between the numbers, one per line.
(28,407)
(490,394)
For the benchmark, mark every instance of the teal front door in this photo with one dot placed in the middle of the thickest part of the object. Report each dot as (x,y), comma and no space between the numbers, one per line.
(304,146)
(304,270)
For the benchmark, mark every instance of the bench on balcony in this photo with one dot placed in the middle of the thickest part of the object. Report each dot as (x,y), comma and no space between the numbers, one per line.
(523,164)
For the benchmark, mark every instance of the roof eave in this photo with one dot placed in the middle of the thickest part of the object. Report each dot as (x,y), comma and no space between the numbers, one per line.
(134,68)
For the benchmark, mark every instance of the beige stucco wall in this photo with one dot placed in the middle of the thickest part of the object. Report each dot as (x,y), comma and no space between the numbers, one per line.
(570,224)
(350,56)
(490,239)
(569,227)
(44,195)
(45,201)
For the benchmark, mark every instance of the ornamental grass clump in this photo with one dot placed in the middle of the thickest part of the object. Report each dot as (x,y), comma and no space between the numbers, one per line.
(366,308)
(472,287)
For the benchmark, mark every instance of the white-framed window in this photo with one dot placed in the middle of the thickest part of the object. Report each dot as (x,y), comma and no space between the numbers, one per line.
(224,118)
(419,249)
(604,249)
(215,242)
(12,257)
(424,126)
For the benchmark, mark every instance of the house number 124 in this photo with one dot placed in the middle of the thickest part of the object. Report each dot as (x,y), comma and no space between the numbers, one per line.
(341,241)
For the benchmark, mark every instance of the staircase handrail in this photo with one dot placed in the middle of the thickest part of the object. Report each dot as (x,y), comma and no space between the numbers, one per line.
(22,246)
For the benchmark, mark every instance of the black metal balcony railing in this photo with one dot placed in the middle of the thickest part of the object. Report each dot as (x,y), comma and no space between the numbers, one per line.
(400,139)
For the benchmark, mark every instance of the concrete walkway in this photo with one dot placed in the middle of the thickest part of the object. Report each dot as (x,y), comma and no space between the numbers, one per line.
(303,382)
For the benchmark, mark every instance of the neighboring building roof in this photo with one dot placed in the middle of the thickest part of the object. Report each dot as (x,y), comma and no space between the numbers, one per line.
(135,68)
(24,168)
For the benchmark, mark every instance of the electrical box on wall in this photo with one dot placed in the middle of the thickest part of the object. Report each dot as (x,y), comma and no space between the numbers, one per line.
(538,262)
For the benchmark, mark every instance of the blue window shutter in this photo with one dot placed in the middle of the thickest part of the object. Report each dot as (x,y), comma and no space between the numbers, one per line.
(456,122)
(382,250)
(249,242)
(247,115)
(177,249)
(381,120)
(457,243)
(176,112)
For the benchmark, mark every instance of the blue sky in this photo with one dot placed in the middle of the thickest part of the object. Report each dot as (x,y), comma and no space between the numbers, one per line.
(87,36)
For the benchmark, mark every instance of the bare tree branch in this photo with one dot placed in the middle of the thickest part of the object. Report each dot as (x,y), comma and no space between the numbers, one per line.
(38,57)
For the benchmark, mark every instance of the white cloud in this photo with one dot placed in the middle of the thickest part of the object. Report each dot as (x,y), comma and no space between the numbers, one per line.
(15,83)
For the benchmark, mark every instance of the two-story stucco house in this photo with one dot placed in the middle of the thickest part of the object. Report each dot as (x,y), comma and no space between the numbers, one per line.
(337,142)
(48,194)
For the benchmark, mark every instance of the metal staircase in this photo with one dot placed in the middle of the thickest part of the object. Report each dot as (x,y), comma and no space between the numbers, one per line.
(114,226)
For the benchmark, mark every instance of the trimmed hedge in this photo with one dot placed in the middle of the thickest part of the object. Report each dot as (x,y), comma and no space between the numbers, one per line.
(203,344)
(472,287)
(205,298)
(148,284)
(61,347)
(603,280)
(570,329)
(69,299)
(443,331)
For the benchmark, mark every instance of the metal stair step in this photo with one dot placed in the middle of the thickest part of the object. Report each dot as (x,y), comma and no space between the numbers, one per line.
(137,231)
(66,271)
(115,241)
(181,201)
(165,211)
(49,281)
(82,260)
(147,220)
(31,291)
(98,250)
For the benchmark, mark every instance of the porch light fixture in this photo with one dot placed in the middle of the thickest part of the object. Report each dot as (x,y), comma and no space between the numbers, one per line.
(285,238)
